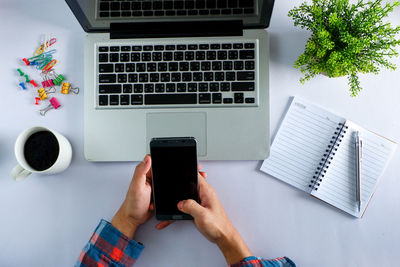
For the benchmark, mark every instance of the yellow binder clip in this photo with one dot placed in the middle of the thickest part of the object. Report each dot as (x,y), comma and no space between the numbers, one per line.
(66,88)
(42,94)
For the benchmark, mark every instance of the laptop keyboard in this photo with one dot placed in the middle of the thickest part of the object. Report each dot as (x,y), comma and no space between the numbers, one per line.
(203,74)
(149,8)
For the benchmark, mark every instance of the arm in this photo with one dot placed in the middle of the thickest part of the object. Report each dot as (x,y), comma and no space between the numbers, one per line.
(211,220)
(112,244)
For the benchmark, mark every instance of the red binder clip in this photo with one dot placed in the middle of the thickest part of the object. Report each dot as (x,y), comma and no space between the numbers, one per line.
(53,105)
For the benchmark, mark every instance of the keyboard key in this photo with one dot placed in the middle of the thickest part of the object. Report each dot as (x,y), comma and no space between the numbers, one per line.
(211,55)
(135,57)
(215,12)
(221,3)
(151,67)
(126,14)
(160,88)
(217,98)
(170,47)
(119,67)
(230,76)
(219,76)
(158,47)
(136,99)
(226,46)
(205,98)
(193,47)
(225,87)
(130,67)
(245,75)
(187,77)
(249,45)
(197,77)
(148,13)
(232,3)
(110,89)
(114,48)
(122,78)
(211,3)
(143,77)
(238,65)
(246,3)
(226,11)
(243,86)
(104,6)
(248,10)
(200,55)
(168,5)
(107,78)
(184,66)
(136,48)
(127,88)
(106,68)
(239,98)
(115,14)
(249,100)
(204,46)
(181,87)
(125,48)
(138,88)
(137,13)
(104,14)
(214,87)
(170,87)
(216,65)
(157,5)
(124,100)
(132,78)
(203,87)
(222,55)
(146,56)
(249,65)
(246,54)
(175,77)
(192,87)
(124,57)
(165,77)
(170,13)
(103,49)
(228,65)
(215,46)
(189,4)
(146,5)
(140,67)
(178,56)
(103,57)
(165,99)
(149,88)
(167,56)
(205,65)
(181,47)
(200,4)
(114,100)
(194,66)
(154,77)
(237,46)
(162,67)
(208,76)
(173,66)
(114,57)
(228,100)
(103,100)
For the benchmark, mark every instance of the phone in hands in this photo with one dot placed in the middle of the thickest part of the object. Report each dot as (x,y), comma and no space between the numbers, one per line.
(175,173)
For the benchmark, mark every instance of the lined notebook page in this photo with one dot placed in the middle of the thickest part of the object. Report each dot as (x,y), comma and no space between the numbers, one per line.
(338,187)
(300,143)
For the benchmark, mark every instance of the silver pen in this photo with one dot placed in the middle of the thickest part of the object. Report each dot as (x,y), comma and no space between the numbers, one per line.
(358,168)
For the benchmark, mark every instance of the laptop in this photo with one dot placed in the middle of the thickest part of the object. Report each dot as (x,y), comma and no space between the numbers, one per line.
(175,68)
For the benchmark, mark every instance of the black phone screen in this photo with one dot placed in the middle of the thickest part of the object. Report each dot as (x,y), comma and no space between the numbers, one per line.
(174,168)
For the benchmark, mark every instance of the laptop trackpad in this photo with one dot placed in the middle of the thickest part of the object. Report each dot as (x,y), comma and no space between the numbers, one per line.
(178,125)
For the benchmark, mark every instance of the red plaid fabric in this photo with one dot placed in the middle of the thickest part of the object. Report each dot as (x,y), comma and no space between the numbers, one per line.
(259,262)
(109,247)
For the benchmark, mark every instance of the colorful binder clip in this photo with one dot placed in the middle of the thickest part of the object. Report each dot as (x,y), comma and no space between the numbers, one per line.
(22,84)
(66,88)
(47,83)
(53,105)
(42,94)
(58,80)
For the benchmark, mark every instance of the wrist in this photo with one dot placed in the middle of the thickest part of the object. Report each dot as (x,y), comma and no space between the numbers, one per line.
(233,247)
(124,224)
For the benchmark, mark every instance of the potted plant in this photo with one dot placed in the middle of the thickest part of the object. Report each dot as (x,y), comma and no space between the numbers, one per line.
(346,39)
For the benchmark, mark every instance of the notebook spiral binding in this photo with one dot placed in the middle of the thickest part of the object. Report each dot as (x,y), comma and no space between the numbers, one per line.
(328,156)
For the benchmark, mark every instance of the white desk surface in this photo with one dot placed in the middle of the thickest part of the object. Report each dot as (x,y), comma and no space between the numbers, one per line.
(46,220)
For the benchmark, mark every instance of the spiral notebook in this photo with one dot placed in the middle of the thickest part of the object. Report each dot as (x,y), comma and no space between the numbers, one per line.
(314,151)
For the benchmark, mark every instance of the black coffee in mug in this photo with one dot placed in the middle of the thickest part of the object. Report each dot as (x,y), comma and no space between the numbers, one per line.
(41,150)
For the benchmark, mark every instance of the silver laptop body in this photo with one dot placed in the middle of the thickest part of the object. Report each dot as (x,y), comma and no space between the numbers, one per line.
(228,118)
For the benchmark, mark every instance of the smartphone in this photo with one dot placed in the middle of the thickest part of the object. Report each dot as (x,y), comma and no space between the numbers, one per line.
(174,169)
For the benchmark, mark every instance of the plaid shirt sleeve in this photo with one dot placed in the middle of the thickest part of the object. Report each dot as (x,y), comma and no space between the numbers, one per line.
(259,262)
(108,247)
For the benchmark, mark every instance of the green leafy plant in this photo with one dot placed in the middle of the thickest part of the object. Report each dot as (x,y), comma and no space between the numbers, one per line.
(346,39)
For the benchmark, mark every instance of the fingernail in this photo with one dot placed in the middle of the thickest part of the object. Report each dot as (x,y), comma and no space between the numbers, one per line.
(145,159)
(180,205)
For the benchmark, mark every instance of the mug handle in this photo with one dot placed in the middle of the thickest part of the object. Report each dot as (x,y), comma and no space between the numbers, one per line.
(19,173)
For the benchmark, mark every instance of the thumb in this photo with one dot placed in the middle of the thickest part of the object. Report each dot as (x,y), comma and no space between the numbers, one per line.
(142,168)
(191,207)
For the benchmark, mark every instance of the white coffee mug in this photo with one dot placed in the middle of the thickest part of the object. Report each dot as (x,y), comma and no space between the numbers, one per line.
(22,170)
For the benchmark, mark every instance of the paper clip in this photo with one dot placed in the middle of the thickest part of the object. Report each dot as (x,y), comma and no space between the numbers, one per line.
(22,85)
(43,63)
(44,46)
(21,73)
(37,100)
(53,105)
(66,88)
(42,94)
(49,65)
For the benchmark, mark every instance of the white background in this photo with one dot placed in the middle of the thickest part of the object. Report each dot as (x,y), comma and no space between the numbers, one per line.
(46,220)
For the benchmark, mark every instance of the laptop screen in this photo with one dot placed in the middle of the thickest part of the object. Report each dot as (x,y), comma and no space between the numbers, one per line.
(96,15)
